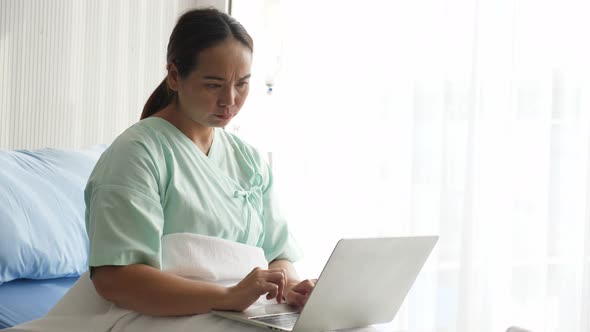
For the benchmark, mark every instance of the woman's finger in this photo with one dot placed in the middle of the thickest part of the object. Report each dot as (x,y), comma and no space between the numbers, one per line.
(272,282)
(296,299)
(278,278)
(304,287)
(272,290)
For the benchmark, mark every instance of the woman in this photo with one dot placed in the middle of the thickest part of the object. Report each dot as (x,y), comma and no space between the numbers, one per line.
(178,171)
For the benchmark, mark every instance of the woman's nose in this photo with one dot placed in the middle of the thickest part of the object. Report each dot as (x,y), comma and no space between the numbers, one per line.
(227,97)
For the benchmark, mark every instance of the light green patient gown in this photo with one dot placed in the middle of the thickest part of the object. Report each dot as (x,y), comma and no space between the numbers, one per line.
(153,180)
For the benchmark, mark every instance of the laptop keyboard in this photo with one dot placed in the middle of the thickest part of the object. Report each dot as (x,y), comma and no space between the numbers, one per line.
(286,321)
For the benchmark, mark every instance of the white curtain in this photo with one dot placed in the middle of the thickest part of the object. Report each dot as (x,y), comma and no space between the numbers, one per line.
(469,119)
(76,73)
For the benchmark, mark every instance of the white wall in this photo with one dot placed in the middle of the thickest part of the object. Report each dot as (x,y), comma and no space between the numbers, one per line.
(75,73)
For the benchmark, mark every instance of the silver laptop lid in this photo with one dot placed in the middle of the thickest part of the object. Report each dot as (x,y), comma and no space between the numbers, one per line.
(364,282)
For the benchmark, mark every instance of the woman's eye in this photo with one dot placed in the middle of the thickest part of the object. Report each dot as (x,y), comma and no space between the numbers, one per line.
(242,84)
(213,86)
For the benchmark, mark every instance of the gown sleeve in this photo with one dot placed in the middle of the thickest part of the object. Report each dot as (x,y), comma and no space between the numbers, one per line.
(124,215)
(279,243)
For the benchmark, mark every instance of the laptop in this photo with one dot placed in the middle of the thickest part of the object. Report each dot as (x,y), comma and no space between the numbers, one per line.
(363,283)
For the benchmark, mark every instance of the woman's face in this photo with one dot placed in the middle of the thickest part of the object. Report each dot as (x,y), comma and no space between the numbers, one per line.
(214,92)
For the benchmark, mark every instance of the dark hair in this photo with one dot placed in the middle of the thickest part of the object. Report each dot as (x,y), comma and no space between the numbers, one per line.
(195,31)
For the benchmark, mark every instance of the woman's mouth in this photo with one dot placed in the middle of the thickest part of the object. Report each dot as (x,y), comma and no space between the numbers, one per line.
(224,116)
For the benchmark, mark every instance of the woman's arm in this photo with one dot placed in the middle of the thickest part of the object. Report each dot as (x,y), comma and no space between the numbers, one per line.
(147,290)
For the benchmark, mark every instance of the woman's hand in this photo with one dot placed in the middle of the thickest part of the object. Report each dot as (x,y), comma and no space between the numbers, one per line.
(298,294)
(258,282)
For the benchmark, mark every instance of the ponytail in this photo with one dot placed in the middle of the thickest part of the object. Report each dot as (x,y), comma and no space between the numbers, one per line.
(160,98)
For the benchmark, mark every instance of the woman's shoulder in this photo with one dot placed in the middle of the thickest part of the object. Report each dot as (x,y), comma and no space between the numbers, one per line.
(137,149)
(144,130)
(140,139)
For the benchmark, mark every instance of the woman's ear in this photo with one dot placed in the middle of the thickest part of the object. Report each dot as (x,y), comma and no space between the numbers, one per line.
(173,77)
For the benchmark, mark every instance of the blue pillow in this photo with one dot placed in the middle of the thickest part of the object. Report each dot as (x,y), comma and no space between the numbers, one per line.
(42,229)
